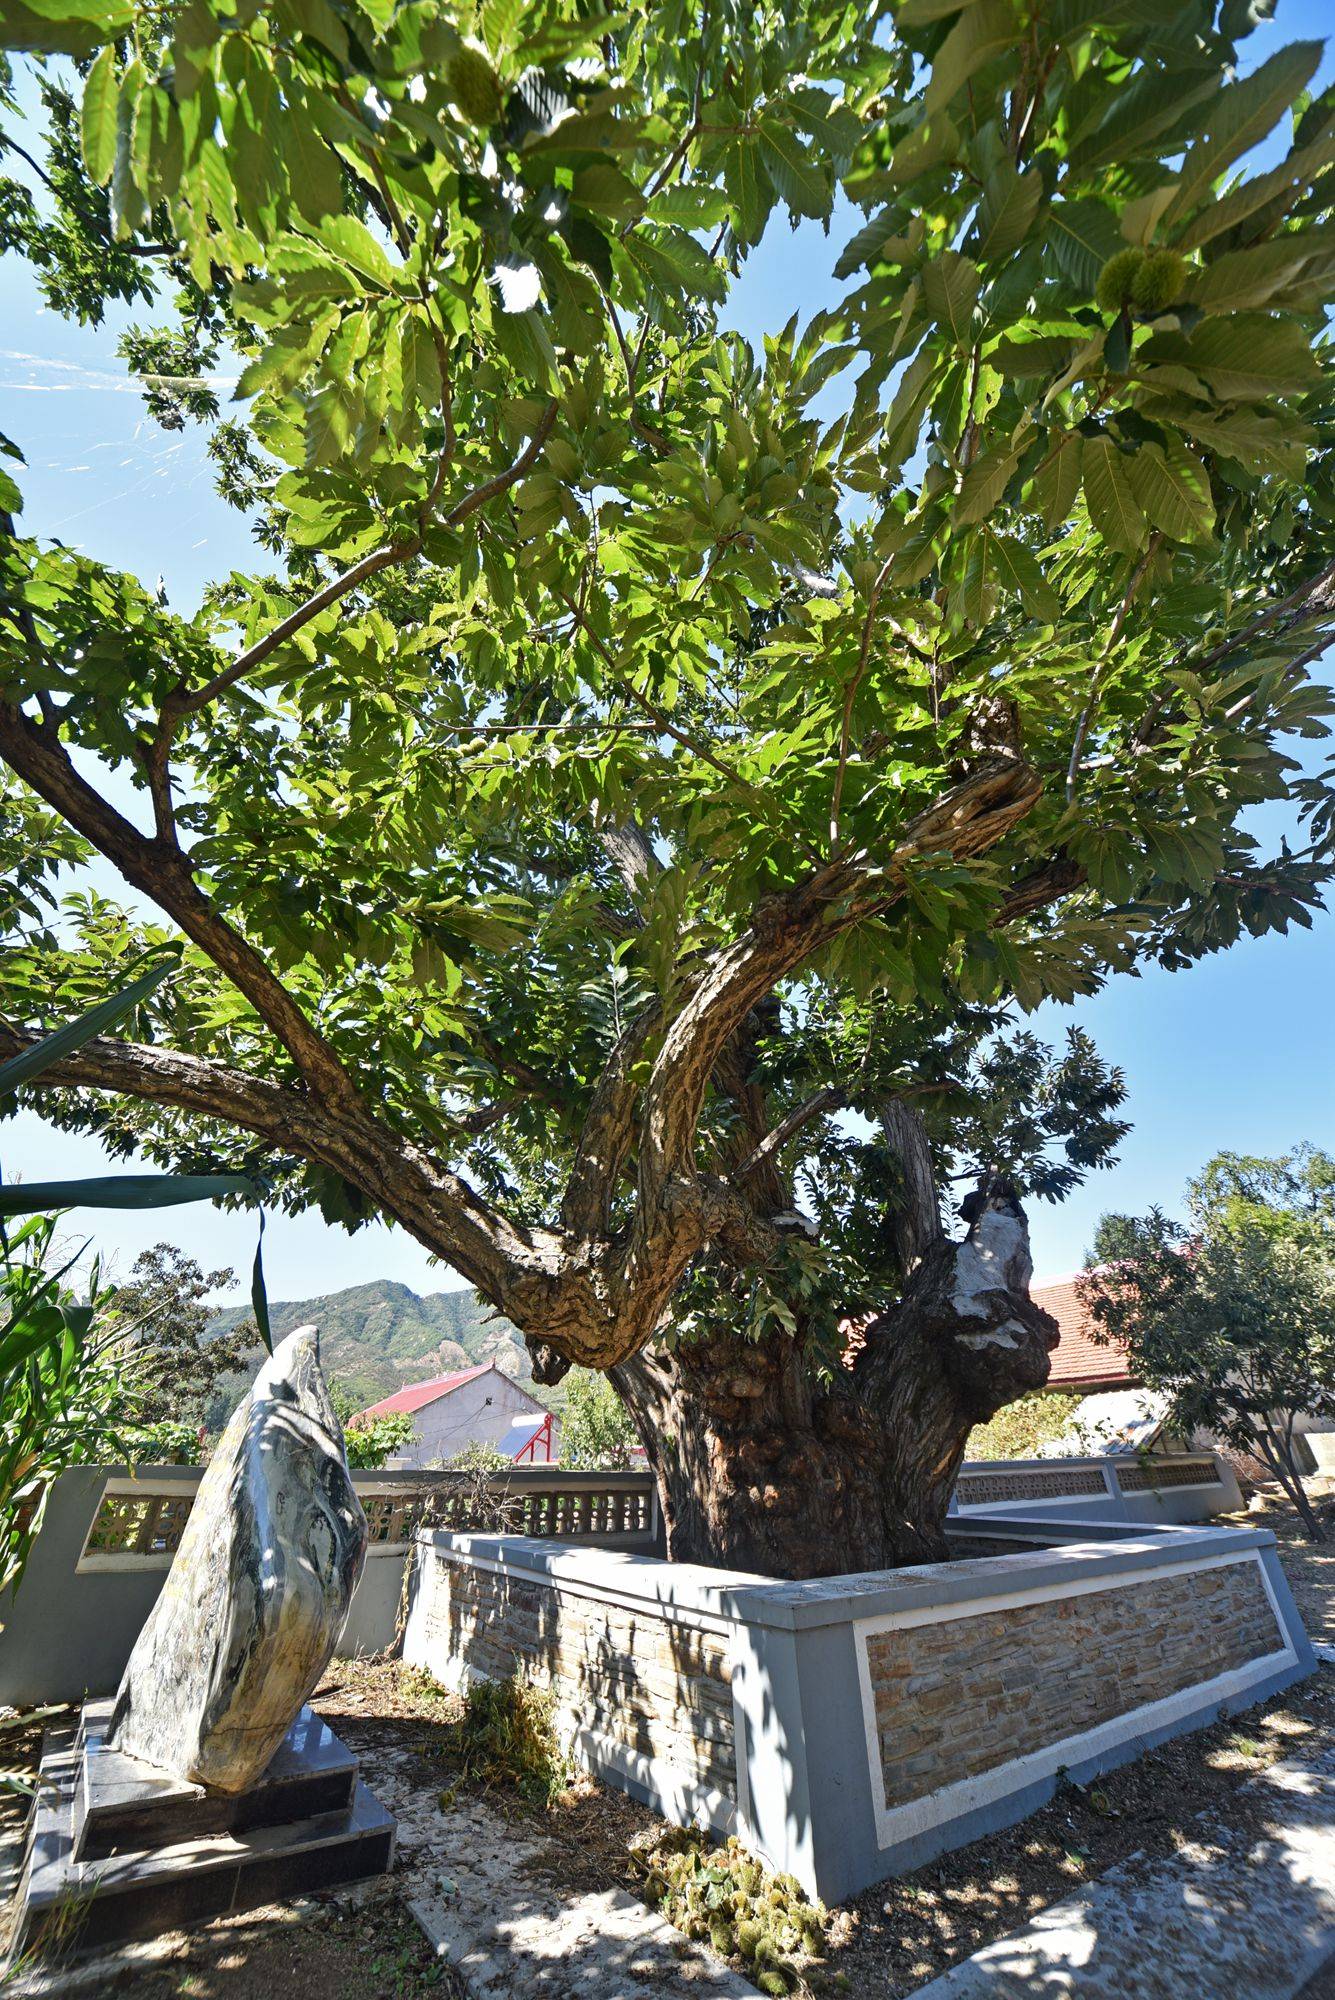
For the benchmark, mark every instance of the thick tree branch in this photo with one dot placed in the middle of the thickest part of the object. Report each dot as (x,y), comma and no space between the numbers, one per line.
(1041,886)
(35,752)
(917,1219)
(607,1131)
(971,818)
(161,1076)
(832,1098)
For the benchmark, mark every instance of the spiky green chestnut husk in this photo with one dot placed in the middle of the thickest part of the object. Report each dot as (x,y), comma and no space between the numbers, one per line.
(1116,278)
(1159,281)
(749,1937)
(474,86)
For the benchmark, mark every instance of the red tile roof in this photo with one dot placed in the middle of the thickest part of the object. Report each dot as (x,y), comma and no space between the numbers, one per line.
(418,1394)
(1080,1361)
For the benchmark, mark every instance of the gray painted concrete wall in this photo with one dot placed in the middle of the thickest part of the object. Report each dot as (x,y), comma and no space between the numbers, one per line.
(76,1617)
(71,1629)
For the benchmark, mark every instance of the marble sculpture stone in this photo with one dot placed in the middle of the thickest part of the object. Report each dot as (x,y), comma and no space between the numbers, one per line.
(256,1598)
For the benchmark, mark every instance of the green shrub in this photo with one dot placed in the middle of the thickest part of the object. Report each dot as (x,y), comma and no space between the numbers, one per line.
(507,1736)
(371,1440)
(1023,1427)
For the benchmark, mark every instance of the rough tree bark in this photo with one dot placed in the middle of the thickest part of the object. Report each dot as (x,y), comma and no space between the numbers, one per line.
(761,1468)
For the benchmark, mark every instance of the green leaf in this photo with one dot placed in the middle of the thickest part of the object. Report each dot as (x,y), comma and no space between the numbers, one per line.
(1042,356)
(604,188)
(137,1191)
(1230,210)
(1080,237)
(1173,490)
(1018,570)
(312,166)
(919,13)
(1113,506)
(1262,443)
(259,1297)
(1240,116)
(1140,218)
(97,120)
(1245,358)
(1247,278)
(973,599)
(983,485)
(876,239)
(750,189)
(1137,116)
(64,1041)
(794,169)
(930,144)
(985,29)
(353,242)
(950,286)
(128,204)
(1006,212)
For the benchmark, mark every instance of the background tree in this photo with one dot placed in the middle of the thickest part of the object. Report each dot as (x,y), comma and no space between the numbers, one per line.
(1233,1316)
(161,1306)
(620,769)
(596,1430)
(369,1440)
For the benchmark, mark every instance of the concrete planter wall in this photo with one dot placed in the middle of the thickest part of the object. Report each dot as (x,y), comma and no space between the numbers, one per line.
(853,1727)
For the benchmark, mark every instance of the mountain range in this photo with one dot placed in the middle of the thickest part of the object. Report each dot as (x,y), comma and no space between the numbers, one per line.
(375,1338)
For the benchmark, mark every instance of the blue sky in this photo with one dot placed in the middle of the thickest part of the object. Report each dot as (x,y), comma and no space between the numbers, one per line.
(1234,1053)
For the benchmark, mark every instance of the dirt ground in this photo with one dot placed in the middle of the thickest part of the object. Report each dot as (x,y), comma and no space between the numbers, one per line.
(1309,1566)
(884,1944)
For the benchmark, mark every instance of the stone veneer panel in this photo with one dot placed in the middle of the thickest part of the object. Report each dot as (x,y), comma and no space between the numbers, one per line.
(957,1698)
(654,1688)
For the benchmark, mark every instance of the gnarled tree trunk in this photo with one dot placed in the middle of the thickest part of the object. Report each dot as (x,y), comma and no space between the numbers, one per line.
(761,1468)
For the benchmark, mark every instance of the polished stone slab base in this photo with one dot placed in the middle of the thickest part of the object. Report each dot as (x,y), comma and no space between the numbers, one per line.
(120,1850)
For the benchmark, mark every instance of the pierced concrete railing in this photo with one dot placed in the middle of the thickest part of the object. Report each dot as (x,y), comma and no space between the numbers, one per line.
(109,1534)
(142,1514)
(1164,1487)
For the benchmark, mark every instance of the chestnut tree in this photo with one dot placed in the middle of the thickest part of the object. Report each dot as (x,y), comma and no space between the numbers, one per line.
(632,752)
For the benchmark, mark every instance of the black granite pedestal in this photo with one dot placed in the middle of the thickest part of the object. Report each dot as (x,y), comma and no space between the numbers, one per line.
(120,1850)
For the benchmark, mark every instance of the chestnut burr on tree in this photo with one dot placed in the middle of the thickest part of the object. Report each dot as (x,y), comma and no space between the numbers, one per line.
(633,753)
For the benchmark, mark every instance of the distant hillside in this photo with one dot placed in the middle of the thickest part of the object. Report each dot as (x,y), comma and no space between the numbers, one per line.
(376,1337)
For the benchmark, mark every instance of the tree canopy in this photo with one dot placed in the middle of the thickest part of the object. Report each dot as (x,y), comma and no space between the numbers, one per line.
(631,746)
(1233,1314)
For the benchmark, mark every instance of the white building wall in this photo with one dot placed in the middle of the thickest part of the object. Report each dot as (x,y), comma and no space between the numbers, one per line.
(477,1412)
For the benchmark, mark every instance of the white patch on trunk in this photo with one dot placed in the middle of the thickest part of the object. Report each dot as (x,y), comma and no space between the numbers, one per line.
(792,1218)
(996,1336)
(994,1257)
